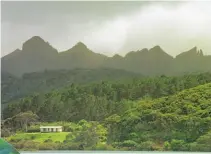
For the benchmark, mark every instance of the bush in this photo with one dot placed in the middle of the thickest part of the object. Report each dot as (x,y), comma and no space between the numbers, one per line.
(129,143)
(33,130)
(69,136)
(167,145)
(133,135)
(33,137)
(101,146)
(179,145)
(146,146)
(5,133)
(57,142)
(69,146)
(16,140)
(48,146)
(48,140)
(26,145)
(82,122)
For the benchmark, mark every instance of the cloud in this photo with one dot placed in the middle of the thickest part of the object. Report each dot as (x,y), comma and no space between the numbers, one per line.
(175,29)
(110,27)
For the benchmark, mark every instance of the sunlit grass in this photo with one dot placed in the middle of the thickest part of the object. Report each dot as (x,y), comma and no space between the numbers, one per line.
(40,137)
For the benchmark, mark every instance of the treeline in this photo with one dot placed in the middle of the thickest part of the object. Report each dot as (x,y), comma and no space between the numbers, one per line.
(39,82)
(180,122)
(97,101)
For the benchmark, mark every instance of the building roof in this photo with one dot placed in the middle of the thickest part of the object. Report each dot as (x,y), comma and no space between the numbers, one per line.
(50,126)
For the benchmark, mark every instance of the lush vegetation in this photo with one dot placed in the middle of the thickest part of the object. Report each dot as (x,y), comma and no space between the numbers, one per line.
(157,113)
(39,82)
(99,100)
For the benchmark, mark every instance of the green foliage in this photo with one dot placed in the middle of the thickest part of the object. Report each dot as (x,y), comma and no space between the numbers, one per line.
(178,145)
(101,146)
(167,146)
(38,137)
(45,81)
(48,146)
(97,101)
(143,114)
(162,120)
(25,118)
(146,146)
(26,145)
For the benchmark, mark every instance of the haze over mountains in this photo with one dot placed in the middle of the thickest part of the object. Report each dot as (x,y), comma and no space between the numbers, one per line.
(37,55)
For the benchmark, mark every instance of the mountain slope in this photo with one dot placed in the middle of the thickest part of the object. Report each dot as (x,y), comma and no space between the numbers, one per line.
(153,61)
(79,56)
(106,96)
(37,55)
(179,121)
(39,82)
(192,60)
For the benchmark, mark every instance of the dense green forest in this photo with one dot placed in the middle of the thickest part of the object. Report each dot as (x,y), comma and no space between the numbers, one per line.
(17,87)
(142,113)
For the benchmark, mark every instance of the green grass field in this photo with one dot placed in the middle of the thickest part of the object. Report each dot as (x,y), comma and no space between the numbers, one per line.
(39,137)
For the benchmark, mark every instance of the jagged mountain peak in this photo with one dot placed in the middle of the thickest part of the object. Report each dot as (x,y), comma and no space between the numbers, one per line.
(190,53)
(117,56)
(158,51)
(130,53)
(201,53)
(144,50)
(17,50)
(80,46)
(36,43)
(34,40)
(194,49)
(156,48)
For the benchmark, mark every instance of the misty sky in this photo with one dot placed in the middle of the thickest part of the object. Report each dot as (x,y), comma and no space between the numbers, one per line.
(108,27)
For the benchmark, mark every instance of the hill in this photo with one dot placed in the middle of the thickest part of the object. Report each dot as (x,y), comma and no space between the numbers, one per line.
(37,55)
(41,82)
(180,122)
(95,101)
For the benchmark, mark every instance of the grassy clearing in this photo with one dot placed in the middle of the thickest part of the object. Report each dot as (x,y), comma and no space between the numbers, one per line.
(39,137)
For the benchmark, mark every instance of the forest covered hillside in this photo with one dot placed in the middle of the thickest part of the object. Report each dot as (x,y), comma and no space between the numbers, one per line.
(115,76)
(156,113)
(41,82)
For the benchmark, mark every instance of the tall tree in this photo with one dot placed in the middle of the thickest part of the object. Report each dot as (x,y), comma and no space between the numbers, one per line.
(26,118)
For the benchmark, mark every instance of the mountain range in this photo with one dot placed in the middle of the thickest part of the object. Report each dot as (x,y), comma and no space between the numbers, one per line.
(38,55)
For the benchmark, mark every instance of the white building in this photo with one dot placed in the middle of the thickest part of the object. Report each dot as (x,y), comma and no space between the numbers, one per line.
(50,128)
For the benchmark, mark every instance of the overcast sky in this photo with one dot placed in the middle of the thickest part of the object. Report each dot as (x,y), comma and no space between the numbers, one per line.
(109,27)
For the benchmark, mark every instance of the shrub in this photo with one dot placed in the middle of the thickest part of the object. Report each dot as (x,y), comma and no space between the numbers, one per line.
(146,146)
(69,146)
(179,145)
(101,146)
(26,145)
(167,145)
(48,140)
(33,130)
(16,140)
(82,122)
(129,143)
(5,133)
(48,146)
(33,137)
